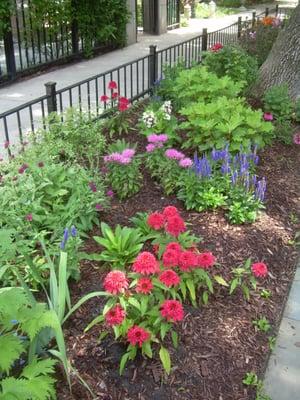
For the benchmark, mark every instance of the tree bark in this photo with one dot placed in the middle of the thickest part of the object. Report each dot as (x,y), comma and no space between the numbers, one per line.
(283,62)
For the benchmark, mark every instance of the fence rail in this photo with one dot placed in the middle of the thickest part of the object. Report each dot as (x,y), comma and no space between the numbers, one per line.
(135,80)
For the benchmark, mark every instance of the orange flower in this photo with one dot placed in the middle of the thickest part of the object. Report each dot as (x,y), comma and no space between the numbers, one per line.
(268,21)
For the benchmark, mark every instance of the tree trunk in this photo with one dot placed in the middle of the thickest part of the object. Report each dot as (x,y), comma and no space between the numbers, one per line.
(283,62)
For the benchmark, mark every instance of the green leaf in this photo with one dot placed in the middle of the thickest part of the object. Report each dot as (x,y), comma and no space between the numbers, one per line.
(205,297)
(164,328)
(123,362)
(220,280)
(95,321)
(165,359)
(174,336)
(146,349)
(134,302)
(11,348)
(191,286)
(233,285)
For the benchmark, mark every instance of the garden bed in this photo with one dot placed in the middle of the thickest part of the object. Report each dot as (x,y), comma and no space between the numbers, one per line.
(218,342)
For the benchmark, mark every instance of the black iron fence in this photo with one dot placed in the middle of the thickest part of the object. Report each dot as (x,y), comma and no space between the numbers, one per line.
(173,14)
(134,79)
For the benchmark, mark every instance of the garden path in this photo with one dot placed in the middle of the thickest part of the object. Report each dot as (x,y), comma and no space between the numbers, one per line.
(282,376)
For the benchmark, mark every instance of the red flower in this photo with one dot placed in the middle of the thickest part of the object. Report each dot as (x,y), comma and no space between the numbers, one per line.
(115,282)
(175,225)
(112,85)
(155,220)
(174,246)
(137,335)
(115,95)
(145,264)
(23,168)
(216,47)
(29,217)
(144,285)
(170,211)
(259,269)
(104,98)
(169,278)
(170,258)
(93,187)
(123,100)
(115,316)
(172,310)
(206,260)
(122,107)
(187,260)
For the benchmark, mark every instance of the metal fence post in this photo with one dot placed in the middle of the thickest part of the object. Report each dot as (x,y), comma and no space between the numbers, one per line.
(253,19)
(204,39)
(193,9)
(51,100)
(267,11)
(153,70)
(239,27)
(276,10)
(75,37)
(9,50)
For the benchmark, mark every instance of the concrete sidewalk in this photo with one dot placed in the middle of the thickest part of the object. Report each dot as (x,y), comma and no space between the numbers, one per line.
(282,379)
(31,88)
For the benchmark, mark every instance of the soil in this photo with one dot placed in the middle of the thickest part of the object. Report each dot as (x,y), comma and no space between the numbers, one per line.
(218,342)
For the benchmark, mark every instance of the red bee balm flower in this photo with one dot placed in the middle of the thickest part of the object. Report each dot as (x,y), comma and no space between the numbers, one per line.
(187,260)
(172,310)
(173,246)
(115,95)
(144,285)
(175,225)
(217,47)
(112,85)
(137,335)
(260,270)
(115,316)
(170,211)
(156,220)
(145,264)
(29,217)
(170,258)
(104,98)
(115,282)
(169,278)
(206,260)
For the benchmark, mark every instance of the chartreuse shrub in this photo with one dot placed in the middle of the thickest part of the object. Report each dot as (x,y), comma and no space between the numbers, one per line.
(24,375)
(124,175)
(198,84)
(224,120)
(145,298)
(234,62)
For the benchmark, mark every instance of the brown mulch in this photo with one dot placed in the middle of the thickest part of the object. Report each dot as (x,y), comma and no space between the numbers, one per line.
(218,343)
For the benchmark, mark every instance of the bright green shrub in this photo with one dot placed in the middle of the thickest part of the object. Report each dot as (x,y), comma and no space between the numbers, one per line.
(234,62)
(223,121)
(278,102)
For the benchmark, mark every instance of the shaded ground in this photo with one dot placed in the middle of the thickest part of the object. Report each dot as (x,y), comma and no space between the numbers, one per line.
(218,342)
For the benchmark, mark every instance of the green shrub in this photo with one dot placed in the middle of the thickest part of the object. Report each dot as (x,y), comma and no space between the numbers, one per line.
(234,62)
(283,130)
(231,3)
(164,86)
(78,138)
(297,110)
(198,84)
(223,121)
(278,102)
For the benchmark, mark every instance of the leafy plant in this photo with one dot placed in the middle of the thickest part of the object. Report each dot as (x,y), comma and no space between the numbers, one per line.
(121,246)
(262,324)
(225,120)
(251,379)
(233,61)
(283,130)
(278,102)
(297,110)
(243,278)
(163,88)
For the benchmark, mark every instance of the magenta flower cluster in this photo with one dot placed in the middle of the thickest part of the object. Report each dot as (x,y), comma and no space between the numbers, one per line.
(156,142)
(183,161)
(125,157)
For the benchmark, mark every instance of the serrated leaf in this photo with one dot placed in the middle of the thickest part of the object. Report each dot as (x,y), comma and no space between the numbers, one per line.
(11,348)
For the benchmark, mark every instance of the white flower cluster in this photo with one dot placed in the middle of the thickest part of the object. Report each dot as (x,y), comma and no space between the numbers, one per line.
(149,119)
(167,109)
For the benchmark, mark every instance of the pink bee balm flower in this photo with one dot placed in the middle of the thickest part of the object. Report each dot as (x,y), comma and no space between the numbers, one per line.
(144,285)
(153,138)
(115,316)
(169,278)
(115,95)
(137,335)
(150,147)
(110,193)
(170,211)
(128,153)
(29,217)
(115,282)
(206,260)
(296,138)
(125,160)
(185,163)
(163,138)
(98,207)
(172,310)
(174,154)
(259,270)
(156,220)
(268,116)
